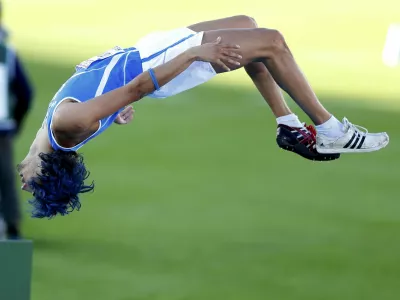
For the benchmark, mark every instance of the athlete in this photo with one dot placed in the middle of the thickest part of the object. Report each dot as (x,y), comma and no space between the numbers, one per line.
(164,64)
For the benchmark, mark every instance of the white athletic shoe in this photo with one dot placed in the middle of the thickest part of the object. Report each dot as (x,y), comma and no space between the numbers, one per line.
(355,139)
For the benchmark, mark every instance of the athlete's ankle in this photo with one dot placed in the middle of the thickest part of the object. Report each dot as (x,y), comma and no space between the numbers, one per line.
(331,128)
(289,120)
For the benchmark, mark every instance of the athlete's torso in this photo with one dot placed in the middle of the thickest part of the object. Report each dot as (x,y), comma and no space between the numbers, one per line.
(94,77)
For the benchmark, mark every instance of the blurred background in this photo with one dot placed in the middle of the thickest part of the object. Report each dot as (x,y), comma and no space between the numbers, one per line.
(194,200)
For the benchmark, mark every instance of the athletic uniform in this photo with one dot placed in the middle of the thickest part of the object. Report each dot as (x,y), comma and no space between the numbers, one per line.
(118,66)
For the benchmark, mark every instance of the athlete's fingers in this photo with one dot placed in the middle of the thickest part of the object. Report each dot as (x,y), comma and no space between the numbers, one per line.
(127,110)
(130,118)
(218,40)
(119,120)
(232,54)
(222,65)
(230,46)
(231,61)
(123,116)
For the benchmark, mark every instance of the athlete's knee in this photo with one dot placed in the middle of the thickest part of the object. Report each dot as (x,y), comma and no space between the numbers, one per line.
(252,21)
(246,21)
(274,41)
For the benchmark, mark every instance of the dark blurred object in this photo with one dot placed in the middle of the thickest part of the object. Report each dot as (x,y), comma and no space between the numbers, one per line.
(15,101)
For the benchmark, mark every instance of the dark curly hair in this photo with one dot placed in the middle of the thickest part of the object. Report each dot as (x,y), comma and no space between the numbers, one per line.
(56,189)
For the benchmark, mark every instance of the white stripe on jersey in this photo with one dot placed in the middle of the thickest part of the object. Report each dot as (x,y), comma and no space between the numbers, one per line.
(107,73)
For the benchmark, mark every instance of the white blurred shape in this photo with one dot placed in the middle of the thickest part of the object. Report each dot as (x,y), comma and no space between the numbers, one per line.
(3,92)
(391,50)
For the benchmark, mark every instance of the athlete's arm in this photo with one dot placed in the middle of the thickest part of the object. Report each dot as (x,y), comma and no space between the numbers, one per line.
(77,117)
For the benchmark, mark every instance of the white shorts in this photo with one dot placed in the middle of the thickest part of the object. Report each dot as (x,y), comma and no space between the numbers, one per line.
(160,47)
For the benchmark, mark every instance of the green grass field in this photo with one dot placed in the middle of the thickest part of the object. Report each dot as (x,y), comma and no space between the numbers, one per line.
(194,200)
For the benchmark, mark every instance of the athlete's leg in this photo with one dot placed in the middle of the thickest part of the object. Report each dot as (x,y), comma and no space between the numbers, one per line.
(269,47)
(257,71)
(292,135)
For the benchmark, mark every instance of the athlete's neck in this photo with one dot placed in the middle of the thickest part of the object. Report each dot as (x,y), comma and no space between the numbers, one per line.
(41,143)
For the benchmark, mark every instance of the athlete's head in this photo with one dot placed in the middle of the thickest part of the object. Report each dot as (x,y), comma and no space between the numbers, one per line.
(55,179)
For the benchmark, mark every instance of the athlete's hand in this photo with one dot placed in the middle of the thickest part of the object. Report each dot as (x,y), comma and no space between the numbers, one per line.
(218,53)
(125,116)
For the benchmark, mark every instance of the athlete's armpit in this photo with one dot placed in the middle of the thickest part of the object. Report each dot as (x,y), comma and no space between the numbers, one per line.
(70,120)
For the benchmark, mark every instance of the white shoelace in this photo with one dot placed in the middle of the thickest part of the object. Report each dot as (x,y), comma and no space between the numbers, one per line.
(356,128)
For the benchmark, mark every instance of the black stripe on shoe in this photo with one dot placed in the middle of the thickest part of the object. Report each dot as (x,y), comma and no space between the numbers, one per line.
(355,142)
(351,140)
(362,142)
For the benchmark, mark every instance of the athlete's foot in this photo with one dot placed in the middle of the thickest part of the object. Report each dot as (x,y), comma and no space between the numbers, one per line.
(353,140)
(302,141)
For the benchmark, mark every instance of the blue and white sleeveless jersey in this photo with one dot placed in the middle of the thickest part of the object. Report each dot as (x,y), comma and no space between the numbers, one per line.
(94,77)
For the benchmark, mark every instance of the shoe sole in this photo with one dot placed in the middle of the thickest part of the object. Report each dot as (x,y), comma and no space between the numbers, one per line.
(301,150)
(344,150)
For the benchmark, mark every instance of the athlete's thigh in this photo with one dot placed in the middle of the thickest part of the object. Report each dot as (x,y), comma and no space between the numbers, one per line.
(240,21)
(252,43)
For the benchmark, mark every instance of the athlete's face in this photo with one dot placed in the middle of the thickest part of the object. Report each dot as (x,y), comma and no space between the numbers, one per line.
(28,169)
